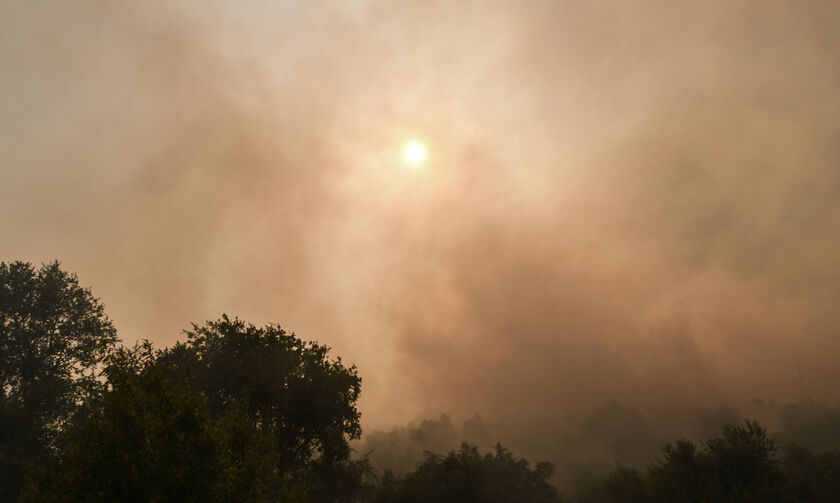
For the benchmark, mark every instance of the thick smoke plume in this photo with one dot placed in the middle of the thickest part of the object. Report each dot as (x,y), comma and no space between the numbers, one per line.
(629,202)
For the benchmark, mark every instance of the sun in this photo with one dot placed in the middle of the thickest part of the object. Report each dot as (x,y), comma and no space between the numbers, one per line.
(414,153)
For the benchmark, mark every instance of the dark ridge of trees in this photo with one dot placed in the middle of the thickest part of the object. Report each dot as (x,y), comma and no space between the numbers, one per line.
(740,463)
(585,446)
(245,413)
(466,475)
(743,464)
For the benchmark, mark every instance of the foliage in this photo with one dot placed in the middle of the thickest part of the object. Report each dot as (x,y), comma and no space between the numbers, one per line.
(740,465)
(294,391)
(467,476)
(154,439)
(683,474)
(813,477)
(53,337)
(744,464)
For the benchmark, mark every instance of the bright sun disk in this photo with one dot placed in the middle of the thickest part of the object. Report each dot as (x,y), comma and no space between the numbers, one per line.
(414,153)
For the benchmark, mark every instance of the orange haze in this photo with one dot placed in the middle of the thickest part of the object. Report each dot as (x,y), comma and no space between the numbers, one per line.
(638,201)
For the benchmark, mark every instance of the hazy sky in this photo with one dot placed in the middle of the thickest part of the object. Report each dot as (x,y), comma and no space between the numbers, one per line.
(629,200)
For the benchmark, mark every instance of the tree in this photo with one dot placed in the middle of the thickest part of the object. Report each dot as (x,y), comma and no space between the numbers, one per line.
(53,337)
(293,390)
(812,477)
(467,476)
(744,461)
(153,438)
(740,465)
(683,475)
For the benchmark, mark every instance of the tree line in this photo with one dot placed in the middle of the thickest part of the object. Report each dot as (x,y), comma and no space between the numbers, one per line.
(237,412)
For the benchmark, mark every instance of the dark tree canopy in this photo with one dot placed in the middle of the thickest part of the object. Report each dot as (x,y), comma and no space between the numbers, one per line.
(53,337)
(292,387)
(237,413)
(153,438)
(467,476)
(740,465)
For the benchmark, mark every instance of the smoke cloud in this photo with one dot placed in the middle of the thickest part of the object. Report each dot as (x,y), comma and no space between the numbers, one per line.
(636,203)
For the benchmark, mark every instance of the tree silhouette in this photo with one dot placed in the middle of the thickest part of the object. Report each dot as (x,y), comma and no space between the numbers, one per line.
(153,438)
(53,336)
(293,391)
(813,477)
(467,476)
(235,413)
(744,462)
(739,465)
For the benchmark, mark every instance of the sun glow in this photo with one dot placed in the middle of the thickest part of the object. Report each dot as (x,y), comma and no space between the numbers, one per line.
(414,153)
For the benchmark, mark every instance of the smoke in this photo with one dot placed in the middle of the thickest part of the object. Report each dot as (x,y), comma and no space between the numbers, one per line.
(620,202)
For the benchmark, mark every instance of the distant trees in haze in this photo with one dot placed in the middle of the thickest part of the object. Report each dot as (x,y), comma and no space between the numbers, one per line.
(401,449)
(742,464)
